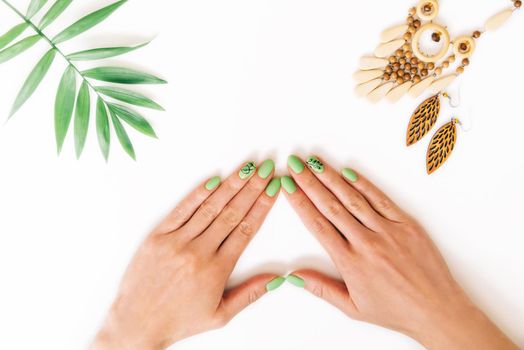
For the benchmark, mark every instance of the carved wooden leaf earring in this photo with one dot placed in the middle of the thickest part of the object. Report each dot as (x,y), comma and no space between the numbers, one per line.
(441,145)
(423,119)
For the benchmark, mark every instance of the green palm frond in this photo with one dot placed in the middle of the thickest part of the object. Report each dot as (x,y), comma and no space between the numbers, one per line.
(73,103)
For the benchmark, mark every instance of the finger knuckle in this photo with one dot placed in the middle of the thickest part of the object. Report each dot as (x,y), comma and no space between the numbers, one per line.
(334,208)
(230,217)
(384,204)
(246,229)
(318,226)
(318,290)
(355,203)
(209,211)
(253,296)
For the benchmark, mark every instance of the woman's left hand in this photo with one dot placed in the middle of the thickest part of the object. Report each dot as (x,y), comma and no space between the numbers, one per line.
(175,285)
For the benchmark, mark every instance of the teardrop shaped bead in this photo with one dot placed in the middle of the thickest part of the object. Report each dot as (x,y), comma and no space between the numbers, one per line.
(384,50)
(365,88)
(397,92)
(379,93)
(372,63)
(442,83)
(417,89)
(393,33)
(496,21)
(363,76)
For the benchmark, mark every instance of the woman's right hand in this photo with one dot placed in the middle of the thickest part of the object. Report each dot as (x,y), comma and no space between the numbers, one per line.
(392,273)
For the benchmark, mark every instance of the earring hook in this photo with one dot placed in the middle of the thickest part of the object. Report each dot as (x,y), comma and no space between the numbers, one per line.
(453,105)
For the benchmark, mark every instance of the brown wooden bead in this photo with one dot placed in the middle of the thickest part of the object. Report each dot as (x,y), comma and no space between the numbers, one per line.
(400,73)
(411,20)
(400,80)
(412,11)
(417,79)
(421,65)
(392,59)
(406,47)
(477,34)
(389,69)
(445,64)
(518,4)
(407,66)
(407,76)
(424,72)
(431,65)
(451,58)
(460,70)
(414,70)
(412,29)
(435,37)
(417,23)
(399,53)
(409,54)
(402,61)
(394,75)
(407,36)
(396,66)
(414,61)
(465,61)
(386,77)
(438,70)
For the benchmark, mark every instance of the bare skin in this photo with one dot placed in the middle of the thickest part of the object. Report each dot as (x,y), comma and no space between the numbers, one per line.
(175,285)
(392,273)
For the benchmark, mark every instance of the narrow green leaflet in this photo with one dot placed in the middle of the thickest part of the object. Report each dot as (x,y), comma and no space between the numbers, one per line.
(64,104)
(34,7)
(102,127)
(12,34)
(18,48)
(33,80)
(122,76)
(103,52)
(81,118)
(122,136)
(87,22)
(132,118)
(130,97)
(56,10)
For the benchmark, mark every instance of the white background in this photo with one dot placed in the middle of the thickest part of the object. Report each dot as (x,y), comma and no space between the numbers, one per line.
(248,80)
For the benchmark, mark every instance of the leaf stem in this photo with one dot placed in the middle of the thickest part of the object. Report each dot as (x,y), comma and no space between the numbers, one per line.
(53,46)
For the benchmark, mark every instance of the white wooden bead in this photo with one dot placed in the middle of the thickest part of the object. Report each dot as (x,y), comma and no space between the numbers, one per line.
(417,89)
(379,93)
(384,50)
(497,20)
(365,88)
(397,92)
(363,76)
(393,33)
(440,84)
(369,62)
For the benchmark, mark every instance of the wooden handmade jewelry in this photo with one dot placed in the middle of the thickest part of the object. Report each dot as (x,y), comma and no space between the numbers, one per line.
(419,56)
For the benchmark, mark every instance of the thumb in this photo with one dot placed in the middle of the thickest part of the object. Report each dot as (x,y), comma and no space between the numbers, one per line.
(332,290)
(241,296)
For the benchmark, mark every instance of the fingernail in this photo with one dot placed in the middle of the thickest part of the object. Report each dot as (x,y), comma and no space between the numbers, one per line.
(212,183)
(315,164)
(247,170)
(295,164)
(273,187)
(350,174)
(288,184)
(266,169)
(296,281)
(275,283)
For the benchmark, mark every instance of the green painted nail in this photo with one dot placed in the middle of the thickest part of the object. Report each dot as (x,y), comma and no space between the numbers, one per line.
(273,187)
(288,184)
(266,168)
(213,183)
(315,164)
(296,281)
(275,283)
(350,174)
(247,170)
(295,164)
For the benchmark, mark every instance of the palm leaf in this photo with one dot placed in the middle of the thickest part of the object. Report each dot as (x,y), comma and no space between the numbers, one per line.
(132,118)
(87,22)
(64,104)
(18,48)
(130,97)
(56,10)
(103,52)
(81,118)
(122,76)
(33,80)
(123,138)
(34,7)
(102,127)
(12,34)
